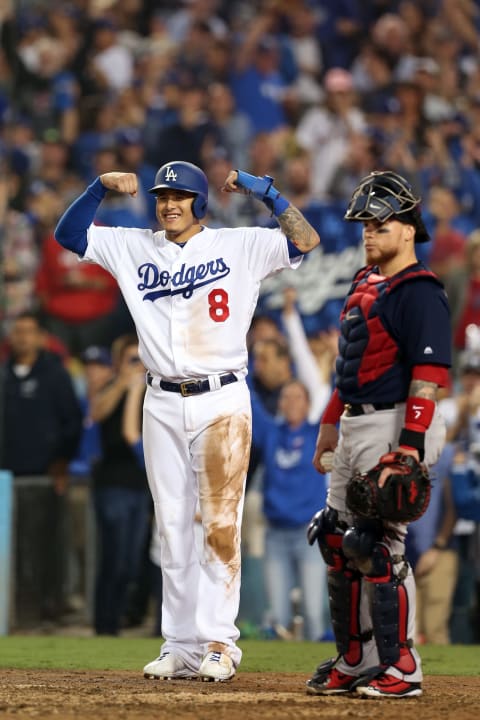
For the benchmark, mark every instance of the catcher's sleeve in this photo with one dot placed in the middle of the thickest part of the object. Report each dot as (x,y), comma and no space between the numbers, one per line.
(334,409)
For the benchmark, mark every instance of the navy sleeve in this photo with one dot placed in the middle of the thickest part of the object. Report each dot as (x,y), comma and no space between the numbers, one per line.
(419,316)
(71,231)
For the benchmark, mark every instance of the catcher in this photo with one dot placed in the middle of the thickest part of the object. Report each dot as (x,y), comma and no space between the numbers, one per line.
(394,352)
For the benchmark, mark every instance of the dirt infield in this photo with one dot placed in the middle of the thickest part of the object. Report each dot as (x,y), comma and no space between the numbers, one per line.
(112,695)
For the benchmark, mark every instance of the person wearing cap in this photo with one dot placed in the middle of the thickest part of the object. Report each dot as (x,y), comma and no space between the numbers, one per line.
(120,492)
(394,354)
(97,371)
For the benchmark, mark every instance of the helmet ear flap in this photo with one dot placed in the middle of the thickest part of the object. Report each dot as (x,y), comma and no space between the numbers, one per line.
(199,206)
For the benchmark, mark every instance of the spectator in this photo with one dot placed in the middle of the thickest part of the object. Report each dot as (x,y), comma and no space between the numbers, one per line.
(96,371)
(149,581)
(38,441)
(359,162)
(462,285)
(303,23)
(461,413)
(431,548)
(257,82)
(120,493)
(272,367)
(46,90)
(19,257)
(203,11)
(97,132)
(132,158)
(449,236)
(342,30)
(52,164)
(41,431)
(192,135)
(111,61)
(233,127)
(325,131)
(236,210)
(291,487)
(76,299)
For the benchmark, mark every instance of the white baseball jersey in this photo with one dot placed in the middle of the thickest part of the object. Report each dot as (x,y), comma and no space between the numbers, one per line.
(191,305)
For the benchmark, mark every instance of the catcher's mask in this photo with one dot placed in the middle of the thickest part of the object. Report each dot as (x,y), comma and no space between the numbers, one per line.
(384,195)
(184,176)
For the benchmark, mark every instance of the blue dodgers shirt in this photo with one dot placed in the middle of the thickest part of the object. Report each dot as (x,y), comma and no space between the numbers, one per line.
(292,489)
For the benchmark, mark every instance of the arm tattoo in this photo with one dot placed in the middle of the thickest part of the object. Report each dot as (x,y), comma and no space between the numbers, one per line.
(297,229)
(423,389)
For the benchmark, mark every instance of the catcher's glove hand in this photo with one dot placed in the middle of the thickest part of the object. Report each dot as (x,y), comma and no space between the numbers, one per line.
(403,498)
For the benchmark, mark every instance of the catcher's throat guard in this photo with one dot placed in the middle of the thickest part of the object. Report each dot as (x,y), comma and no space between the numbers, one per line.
(403,498)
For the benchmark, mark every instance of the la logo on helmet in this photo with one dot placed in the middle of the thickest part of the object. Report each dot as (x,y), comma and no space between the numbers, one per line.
(170,174)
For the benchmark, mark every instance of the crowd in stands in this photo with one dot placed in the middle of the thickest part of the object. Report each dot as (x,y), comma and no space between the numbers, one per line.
(316,93)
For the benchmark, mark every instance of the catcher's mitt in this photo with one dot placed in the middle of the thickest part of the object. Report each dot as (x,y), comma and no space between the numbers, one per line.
(403,498)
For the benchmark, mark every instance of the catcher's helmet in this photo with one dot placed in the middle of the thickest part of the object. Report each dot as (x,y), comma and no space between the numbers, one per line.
(384,195)
(181,175)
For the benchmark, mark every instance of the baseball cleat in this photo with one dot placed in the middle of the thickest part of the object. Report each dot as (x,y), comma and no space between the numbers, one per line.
(388,686)
(216,666)
(168,667)
(332,682)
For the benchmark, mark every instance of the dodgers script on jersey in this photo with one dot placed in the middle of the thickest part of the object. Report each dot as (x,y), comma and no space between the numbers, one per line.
(185,301)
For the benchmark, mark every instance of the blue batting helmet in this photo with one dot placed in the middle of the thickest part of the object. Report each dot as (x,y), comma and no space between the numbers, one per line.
(185,176)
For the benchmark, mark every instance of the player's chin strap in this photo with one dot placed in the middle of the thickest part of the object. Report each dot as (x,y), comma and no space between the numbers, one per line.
(263,189)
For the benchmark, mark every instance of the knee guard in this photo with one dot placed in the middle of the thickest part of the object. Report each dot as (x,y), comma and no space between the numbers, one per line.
(359,542)
(389,602)
(326,529)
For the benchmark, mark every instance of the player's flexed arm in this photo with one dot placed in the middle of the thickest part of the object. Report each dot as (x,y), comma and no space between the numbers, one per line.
(292,222)
(71,231)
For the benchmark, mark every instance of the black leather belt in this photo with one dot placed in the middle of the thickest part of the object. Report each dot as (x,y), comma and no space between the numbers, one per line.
(366,408)
(192,387)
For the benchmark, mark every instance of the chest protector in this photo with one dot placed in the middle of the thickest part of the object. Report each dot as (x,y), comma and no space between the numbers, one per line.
(367,350)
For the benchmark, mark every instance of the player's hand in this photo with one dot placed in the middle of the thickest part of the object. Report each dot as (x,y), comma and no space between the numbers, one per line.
(386,472)
(121,182)
(230,184)
(327,441)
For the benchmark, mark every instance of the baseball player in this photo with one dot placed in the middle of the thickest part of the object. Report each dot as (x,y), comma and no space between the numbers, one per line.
(192,291)
(394,352)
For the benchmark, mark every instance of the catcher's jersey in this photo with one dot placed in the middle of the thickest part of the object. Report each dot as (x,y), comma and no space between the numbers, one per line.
(191,305)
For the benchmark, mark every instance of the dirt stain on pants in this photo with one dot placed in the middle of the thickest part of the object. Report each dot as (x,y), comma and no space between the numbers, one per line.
(226,458)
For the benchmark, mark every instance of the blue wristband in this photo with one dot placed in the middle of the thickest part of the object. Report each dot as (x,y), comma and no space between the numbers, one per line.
(263,189)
